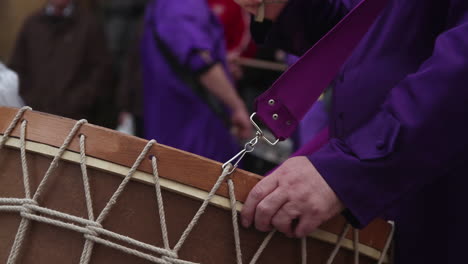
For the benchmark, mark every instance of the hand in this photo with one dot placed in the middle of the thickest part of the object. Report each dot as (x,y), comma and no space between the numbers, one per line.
(250,5)
(123,116)
(294,199)
(272,9)
(241,124)
(234,67)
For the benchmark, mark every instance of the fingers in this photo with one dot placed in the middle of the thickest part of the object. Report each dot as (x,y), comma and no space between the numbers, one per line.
(282,221)
(307,224)
(267,208)
(258,193)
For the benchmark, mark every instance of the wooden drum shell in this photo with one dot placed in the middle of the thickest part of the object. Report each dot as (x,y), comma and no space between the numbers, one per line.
(187,178)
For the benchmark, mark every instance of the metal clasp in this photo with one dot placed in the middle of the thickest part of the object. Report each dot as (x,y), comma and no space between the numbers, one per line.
(260,132)
(249,146)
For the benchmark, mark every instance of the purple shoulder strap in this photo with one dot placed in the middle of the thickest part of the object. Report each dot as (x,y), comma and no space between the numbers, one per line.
(283,106)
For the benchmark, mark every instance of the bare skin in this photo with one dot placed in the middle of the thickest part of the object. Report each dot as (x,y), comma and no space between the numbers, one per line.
(272,10)
(294,199)
(215,80)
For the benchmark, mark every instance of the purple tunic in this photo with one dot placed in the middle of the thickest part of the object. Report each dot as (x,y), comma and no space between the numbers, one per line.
(398,125)
(174,114)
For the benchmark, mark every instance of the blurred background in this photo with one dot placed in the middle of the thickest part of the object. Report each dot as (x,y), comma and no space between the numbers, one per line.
(135,65)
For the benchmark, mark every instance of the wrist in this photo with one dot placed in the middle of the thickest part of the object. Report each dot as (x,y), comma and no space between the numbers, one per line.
(237,105)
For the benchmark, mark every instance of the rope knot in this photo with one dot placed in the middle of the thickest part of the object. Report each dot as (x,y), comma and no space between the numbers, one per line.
(28,206)
(90,233)
(92,229)
(29,202)
(170,260)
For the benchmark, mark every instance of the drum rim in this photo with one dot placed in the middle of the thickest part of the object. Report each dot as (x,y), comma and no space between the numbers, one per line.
(114,154)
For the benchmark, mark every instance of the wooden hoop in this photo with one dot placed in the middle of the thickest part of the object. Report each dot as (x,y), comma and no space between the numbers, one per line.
(121,151)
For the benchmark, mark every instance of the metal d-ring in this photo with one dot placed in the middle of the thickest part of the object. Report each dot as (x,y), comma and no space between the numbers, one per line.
(260,132)
(248,147)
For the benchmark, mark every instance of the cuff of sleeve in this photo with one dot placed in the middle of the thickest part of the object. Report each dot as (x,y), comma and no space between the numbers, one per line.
(361,169)
(199,63)
(333,165)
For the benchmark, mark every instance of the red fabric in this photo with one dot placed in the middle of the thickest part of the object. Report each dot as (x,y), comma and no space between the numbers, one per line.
(235,22)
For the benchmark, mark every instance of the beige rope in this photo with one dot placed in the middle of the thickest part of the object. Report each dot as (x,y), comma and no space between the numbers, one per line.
(202,208)
(262,247)
(235,225)
(118,192)
(338,244)
(89,245)
(57,158)
(162,214)
(91,229)
(24,164)
(356,246)
(12,125)
(26,214)
(387,243)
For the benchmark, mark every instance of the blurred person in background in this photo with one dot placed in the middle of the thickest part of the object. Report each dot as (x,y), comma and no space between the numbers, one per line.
(189,97)
(130,89)
(236,23)
(63,63)
(9,95)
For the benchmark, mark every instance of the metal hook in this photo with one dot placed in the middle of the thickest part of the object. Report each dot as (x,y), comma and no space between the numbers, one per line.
(260,132)
(248,147)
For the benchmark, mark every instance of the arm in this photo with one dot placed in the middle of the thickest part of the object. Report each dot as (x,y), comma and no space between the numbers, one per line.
(216,81)
(417,136)
(192,45)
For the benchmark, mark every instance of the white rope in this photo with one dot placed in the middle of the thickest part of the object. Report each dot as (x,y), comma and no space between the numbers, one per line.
(120,189)
(387,243)
(89,245)
(12,125)
(127,250)
(162,214)
(202,208)
(24,164)
(338,244)
(235,225)
(91,229)
(262,247)
(356,246)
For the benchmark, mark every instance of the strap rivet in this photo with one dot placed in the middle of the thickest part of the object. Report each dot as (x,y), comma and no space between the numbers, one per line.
(271,102)
(275,116)
(288,122)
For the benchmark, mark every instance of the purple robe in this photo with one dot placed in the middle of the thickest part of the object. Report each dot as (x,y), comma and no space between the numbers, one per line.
(398,129)
(175,115)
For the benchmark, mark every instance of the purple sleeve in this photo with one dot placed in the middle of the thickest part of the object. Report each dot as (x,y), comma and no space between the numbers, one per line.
(187,30)
(301,24)
(415,137)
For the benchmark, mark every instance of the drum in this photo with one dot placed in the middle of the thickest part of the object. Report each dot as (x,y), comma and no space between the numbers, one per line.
(71,192)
